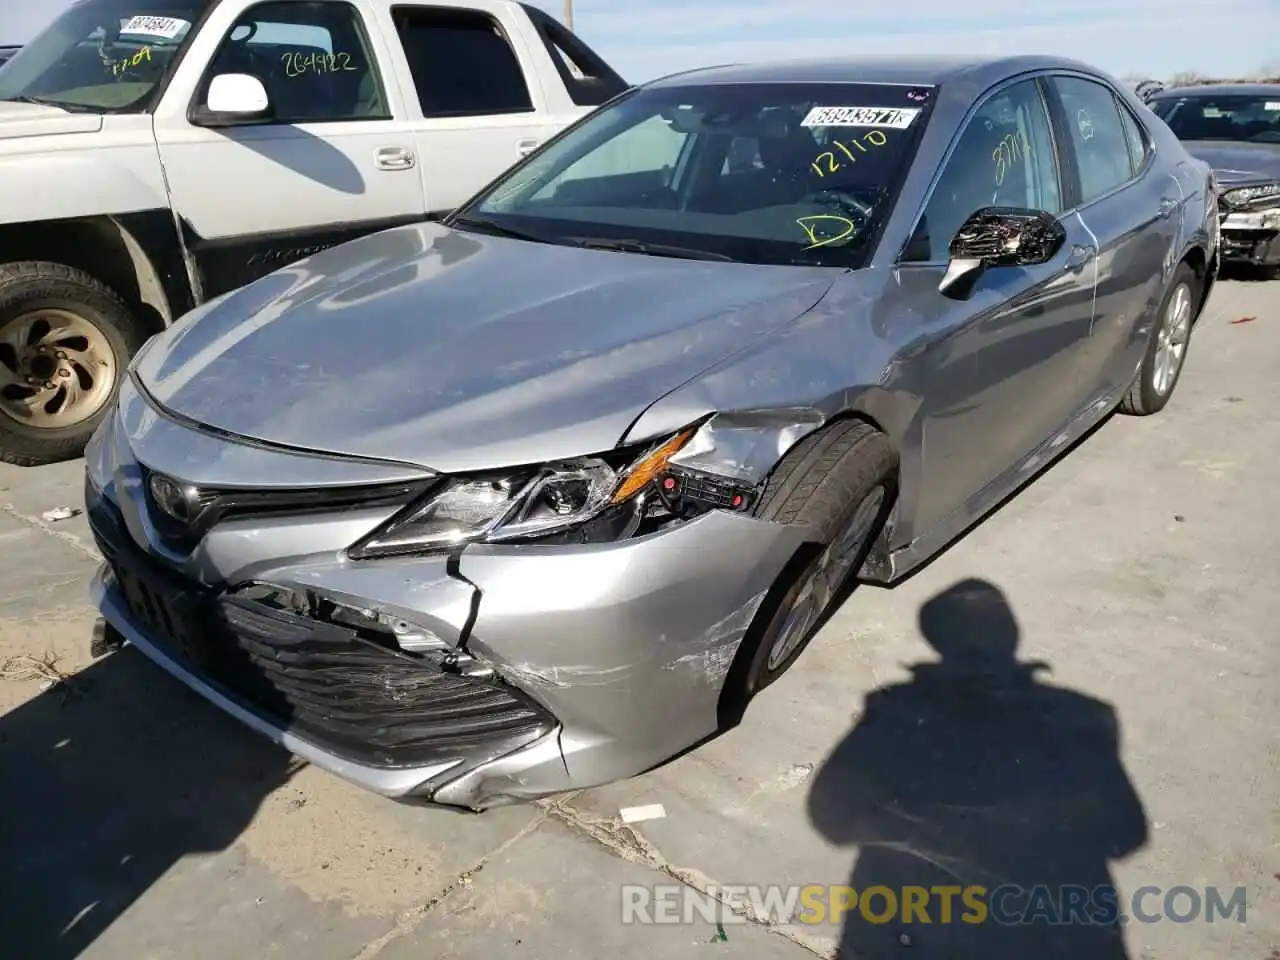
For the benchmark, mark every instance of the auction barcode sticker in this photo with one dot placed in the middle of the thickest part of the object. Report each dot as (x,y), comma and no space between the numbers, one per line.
(896,118)
(1272,105)
(164,27)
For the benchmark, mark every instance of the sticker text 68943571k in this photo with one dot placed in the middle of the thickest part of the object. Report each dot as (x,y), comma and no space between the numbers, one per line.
(895,118)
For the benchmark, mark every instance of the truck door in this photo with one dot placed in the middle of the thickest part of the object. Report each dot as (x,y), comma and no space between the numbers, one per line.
(488,90)
(332,161)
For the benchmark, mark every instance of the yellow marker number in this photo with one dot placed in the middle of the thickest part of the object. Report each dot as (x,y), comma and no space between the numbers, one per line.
(827,162)
(1009,151)
(118,67)
(297,63)
(824,229)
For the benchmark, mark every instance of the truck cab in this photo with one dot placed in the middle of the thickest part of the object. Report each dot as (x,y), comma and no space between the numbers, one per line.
(156,154)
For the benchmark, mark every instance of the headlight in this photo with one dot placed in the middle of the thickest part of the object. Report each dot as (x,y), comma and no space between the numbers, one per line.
(1243,195)
(516,504)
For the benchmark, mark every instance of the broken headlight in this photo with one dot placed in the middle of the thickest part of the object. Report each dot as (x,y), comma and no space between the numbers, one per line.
(519,504)
(1242,196)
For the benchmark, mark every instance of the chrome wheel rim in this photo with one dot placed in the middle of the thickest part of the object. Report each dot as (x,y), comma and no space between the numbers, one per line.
(56,369)
(825,576)
(1171,340)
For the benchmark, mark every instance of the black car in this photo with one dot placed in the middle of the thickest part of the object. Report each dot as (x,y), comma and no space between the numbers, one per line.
(1235,128)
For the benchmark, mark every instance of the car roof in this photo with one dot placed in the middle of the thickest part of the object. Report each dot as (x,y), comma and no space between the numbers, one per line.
(1221,89)
(924,70)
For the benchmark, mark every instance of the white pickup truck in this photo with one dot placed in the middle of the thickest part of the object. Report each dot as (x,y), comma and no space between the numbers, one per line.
(155,154)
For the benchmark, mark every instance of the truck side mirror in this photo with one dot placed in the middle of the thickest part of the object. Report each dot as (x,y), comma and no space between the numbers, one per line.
(233,98)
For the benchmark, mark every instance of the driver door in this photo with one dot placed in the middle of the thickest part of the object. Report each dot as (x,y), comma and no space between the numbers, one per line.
(333,163)
(1019,334)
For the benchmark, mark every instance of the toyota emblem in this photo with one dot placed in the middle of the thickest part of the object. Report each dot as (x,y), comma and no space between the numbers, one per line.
(176,502)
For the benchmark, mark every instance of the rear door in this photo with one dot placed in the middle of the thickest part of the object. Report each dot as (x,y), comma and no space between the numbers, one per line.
(1005,380)
(489,85)
(1131,205)
(333,164)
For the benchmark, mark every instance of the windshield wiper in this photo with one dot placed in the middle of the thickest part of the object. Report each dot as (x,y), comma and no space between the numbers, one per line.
(47,102)
(492,226)
(649,249)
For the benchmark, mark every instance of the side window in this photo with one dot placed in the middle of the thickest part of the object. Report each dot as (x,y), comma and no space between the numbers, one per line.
(1004,157)
(1136,136)
(461,62)
(642,157)
(313,58)
(1095,128)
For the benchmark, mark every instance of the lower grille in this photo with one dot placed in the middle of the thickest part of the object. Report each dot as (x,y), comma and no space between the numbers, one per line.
(349,694)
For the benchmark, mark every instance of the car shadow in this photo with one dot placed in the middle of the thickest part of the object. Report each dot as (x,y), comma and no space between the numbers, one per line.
(978,773)
(108,780)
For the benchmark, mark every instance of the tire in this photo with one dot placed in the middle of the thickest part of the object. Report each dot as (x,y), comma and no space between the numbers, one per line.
(1151,390)
(101,335)
(831,478)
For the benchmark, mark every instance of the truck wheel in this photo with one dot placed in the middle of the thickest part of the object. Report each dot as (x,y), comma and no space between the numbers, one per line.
(839,482)
(65,341)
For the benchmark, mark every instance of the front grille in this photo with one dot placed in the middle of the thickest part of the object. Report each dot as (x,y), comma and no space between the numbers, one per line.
(210,506)
(349,694)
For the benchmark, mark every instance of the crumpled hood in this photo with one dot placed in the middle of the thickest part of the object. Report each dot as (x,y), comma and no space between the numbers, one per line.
(459,351)
(1236,163)
(36,120)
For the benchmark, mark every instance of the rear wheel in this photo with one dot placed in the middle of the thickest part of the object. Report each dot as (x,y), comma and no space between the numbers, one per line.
(840,483)
(65,340)
(1162,364)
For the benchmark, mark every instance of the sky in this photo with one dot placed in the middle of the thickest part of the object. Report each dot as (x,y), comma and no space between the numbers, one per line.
(644,39)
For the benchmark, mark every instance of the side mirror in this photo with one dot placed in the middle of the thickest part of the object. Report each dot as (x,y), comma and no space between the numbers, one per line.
(1000,237)
(233,98)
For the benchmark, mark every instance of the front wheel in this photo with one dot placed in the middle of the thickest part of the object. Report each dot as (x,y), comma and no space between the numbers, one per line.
(65,341)
(1167,350)
(840,483)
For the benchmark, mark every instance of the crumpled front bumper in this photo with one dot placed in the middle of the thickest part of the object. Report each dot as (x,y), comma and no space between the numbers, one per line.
(1251,237)
(560,667)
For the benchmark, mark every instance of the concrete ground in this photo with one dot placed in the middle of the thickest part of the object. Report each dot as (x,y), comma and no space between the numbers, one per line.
(138,822)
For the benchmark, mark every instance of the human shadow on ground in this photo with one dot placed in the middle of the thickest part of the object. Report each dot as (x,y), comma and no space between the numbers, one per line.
(976,773)
(107,781)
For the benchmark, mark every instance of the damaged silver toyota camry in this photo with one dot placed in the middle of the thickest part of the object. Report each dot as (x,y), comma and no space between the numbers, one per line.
(541,496)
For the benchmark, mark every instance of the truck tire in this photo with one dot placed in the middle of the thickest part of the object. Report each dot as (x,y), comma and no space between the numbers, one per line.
(839,482)
(65,342)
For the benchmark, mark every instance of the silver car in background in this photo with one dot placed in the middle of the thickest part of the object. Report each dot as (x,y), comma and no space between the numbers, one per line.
(542,496)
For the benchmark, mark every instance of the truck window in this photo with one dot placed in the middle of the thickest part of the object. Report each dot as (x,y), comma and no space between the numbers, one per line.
(462,63)
(313,58)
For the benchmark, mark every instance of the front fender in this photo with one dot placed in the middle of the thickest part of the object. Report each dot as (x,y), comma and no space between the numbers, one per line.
(81,175)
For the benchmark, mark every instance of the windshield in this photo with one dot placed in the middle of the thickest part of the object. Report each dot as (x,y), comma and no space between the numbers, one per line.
(760,173)
(102,55)
(1247,119)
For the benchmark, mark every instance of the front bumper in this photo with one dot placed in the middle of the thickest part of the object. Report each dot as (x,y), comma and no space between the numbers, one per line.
(585,664)
(1251,237)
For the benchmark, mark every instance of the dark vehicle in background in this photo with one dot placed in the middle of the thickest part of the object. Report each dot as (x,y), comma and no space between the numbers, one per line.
(6,53)
(1235,128)
(541,495)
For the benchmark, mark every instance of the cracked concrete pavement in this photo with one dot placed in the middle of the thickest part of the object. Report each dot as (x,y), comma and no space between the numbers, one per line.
(1141,570)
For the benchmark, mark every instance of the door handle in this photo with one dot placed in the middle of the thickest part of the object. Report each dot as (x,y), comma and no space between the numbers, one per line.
(1167,206)
(1081,253)
(526,147)
(393,158)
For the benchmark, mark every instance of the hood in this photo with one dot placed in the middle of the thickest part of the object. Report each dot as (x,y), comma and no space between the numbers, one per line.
(1235,163)
(37,120)
(457,351)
